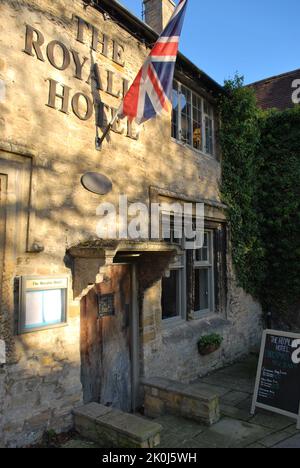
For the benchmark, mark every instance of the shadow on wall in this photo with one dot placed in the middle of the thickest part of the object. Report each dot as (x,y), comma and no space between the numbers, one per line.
(38,394)
(42,382)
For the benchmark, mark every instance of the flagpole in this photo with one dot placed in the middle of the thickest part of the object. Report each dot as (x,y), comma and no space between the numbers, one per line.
(164,52)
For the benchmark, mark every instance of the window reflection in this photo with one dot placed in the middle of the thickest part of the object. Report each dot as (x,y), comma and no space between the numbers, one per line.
(192,119)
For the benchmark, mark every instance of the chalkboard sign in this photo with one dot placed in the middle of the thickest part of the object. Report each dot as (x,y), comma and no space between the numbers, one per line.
(278,377)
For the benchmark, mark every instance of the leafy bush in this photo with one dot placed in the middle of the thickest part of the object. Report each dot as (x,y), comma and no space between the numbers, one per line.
(240,139)
(210,340)
(261,186)
(279,210)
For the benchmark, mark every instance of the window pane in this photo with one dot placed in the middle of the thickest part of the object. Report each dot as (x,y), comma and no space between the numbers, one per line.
(170,295)
(202,254)
(197,123)
(175,111)
(208,109)
(185,105)
(172,228)
(176,230)
(34,309)
(44,308)
(209,135)
(52,307)
(202,289)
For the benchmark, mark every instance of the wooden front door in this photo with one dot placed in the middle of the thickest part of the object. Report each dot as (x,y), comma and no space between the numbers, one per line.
(106,346)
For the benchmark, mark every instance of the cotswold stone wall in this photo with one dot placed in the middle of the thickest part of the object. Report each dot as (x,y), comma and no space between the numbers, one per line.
(42,387)
(172,352)
(47,143)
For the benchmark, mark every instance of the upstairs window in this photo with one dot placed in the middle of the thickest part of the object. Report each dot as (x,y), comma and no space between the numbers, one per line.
(209,128)
(192,120)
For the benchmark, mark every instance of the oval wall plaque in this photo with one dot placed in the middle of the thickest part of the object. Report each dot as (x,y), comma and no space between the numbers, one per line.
(96,183)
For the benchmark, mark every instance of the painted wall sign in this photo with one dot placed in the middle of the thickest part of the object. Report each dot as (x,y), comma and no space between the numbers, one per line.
(89,71)
(278,377)
(53,283)
(96,183)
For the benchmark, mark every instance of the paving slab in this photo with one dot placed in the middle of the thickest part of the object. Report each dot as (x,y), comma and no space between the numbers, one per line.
(246,368)
(170,440)
(168,421)
(234,398)
(274,439)
(271,420)
(195,444)
(79,444)
(231,433)
(178,426)
(212,389)
(256,446)
(246,404)
(236,413)
(293,442)
(230,382)
(293,429)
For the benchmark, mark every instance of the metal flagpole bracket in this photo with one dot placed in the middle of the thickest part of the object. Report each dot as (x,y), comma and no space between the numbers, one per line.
(97,143)
(99,140)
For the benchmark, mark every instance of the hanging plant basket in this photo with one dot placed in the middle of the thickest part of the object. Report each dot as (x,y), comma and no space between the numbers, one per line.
(209,349)
(209,344)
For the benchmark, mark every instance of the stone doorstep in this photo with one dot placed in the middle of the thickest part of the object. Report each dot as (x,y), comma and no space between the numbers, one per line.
(179,388)
(132,426)
(180,399)
(157,382)
(92,411)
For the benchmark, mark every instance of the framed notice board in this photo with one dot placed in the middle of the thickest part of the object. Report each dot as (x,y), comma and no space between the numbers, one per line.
(277,386)
(43,303)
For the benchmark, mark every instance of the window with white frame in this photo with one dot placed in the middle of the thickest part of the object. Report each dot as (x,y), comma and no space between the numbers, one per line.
(203,266)
(192,120)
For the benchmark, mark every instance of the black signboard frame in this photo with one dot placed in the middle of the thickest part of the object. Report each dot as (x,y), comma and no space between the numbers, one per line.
(255,403)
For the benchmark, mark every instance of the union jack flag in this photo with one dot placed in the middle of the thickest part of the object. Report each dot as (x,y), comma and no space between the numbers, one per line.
(151,92)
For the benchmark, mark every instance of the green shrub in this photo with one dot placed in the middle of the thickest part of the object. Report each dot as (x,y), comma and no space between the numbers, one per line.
(240,139)
(210,340)
(261,186)
(279,209)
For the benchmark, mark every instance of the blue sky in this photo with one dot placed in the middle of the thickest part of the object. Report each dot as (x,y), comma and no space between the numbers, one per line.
(256,38)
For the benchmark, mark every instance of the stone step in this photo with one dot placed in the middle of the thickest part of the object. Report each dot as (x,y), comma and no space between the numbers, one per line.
(110,428)
(163,396)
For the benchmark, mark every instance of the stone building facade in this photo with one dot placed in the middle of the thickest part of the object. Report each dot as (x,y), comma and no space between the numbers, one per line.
(64,67)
